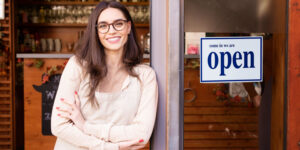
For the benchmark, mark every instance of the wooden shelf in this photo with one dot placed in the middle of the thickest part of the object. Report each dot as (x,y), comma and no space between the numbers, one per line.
(5,129)
(4,88)
(67,25)
(4,143)
(191,56)
(76,3)
(4,82)
(2,102)
(138,25)
(4,95)
(5,116)
(5,123)
(54,55)
(4,109)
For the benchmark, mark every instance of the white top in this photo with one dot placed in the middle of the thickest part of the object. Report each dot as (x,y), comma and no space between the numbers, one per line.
(125,115)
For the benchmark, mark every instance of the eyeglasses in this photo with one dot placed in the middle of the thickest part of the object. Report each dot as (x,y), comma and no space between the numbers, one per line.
(118,25)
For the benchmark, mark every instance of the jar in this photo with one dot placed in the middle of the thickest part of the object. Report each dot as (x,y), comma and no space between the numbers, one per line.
(147,43)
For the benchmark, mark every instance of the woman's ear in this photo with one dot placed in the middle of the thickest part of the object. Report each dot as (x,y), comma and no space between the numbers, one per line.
(128,27)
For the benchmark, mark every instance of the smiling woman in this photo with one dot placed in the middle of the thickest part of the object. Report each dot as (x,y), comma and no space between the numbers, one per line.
(113,38)
(106,98)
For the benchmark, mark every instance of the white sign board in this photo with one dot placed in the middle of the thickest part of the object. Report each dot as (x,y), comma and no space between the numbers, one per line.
(231,59)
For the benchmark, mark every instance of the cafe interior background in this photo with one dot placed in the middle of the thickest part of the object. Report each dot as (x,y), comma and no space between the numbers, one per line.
(38,36)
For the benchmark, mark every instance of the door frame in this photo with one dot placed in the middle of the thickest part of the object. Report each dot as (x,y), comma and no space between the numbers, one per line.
(166,27)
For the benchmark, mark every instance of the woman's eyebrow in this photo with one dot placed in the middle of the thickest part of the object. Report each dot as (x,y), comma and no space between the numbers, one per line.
(111,22)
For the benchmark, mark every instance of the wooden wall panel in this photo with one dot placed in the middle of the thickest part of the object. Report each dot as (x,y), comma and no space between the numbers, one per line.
(212,124)
(293,129)
(34,140)
(6,83)
(278,73)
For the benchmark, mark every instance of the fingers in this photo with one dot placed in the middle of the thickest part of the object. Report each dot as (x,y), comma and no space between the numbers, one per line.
(72,105)
(133,142)
(65,102)
(64,115)
(136,147)
(66,110)
(76,97)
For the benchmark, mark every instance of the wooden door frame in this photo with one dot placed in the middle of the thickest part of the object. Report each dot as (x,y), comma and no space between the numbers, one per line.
(166,40)
(293,77)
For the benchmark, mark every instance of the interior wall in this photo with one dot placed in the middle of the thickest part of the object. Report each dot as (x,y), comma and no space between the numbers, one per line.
(239,16)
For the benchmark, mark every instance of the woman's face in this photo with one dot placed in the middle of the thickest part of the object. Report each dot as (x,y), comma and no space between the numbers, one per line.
(113,30)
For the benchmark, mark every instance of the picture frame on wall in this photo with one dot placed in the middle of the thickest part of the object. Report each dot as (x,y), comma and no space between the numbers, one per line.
(192,42)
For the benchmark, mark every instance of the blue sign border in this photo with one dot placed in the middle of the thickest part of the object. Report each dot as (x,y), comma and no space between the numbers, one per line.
(228,38)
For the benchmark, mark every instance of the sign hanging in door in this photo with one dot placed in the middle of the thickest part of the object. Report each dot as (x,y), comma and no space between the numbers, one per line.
(231,59)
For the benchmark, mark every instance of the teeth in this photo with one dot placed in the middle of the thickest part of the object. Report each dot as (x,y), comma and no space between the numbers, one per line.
(113,39)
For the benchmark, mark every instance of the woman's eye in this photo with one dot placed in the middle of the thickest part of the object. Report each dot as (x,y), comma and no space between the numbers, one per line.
(102,26)
(119,24)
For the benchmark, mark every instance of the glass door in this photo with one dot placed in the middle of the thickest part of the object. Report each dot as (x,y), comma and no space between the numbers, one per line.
(233,115)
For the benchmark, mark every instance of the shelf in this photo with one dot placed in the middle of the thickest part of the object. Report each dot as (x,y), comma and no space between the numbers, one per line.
(76,3)
(67,25)
(68,55)
(53,55)
(4,88)
(34,25)
(192,56)
(43,55)
(5,82)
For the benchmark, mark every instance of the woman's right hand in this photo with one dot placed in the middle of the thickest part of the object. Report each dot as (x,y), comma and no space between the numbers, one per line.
(131,145)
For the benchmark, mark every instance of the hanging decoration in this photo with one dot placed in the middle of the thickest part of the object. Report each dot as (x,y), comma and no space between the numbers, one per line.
(55,69)
(237,93)
(191,64)
(37,63)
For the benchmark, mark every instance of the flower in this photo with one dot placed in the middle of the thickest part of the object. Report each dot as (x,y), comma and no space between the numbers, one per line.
(237,98)
(52,70)
(219,93)
(222,94)
(65,63)
(45,78)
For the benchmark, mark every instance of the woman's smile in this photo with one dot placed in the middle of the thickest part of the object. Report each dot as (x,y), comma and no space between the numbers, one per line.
(114,39)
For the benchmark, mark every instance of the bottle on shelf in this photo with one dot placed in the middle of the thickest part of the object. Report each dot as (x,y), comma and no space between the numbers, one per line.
(147,43)
(37,42)
(27,43)
(34,16)
(42,15)
(33,47)
(24,15)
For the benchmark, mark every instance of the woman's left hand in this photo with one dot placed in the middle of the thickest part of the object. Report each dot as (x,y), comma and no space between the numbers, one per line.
(72,112)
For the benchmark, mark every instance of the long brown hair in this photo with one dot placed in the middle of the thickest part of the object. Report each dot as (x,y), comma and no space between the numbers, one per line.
(90,52)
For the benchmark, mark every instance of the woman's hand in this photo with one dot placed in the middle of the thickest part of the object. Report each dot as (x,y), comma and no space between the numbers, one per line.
(131,145)
(72,112)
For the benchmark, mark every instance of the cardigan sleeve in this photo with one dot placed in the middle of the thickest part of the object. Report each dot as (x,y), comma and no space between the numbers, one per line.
(61,127)
(143,123)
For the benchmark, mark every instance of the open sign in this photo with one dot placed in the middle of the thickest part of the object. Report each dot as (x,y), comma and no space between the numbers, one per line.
(231,59)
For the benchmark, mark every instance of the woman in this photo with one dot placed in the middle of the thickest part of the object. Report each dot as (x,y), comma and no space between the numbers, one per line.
(106,99)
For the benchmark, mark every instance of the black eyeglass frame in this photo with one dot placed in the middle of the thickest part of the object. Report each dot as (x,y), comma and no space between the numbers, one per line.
(112,24)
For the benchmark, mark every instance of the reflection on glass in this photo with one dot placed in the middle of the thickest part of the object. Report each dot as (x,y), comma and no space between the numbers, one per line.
(219,116)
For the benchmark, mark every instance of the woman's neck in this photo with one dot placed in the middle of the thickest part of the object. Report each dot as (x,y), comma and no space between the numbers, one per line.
(114,59)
